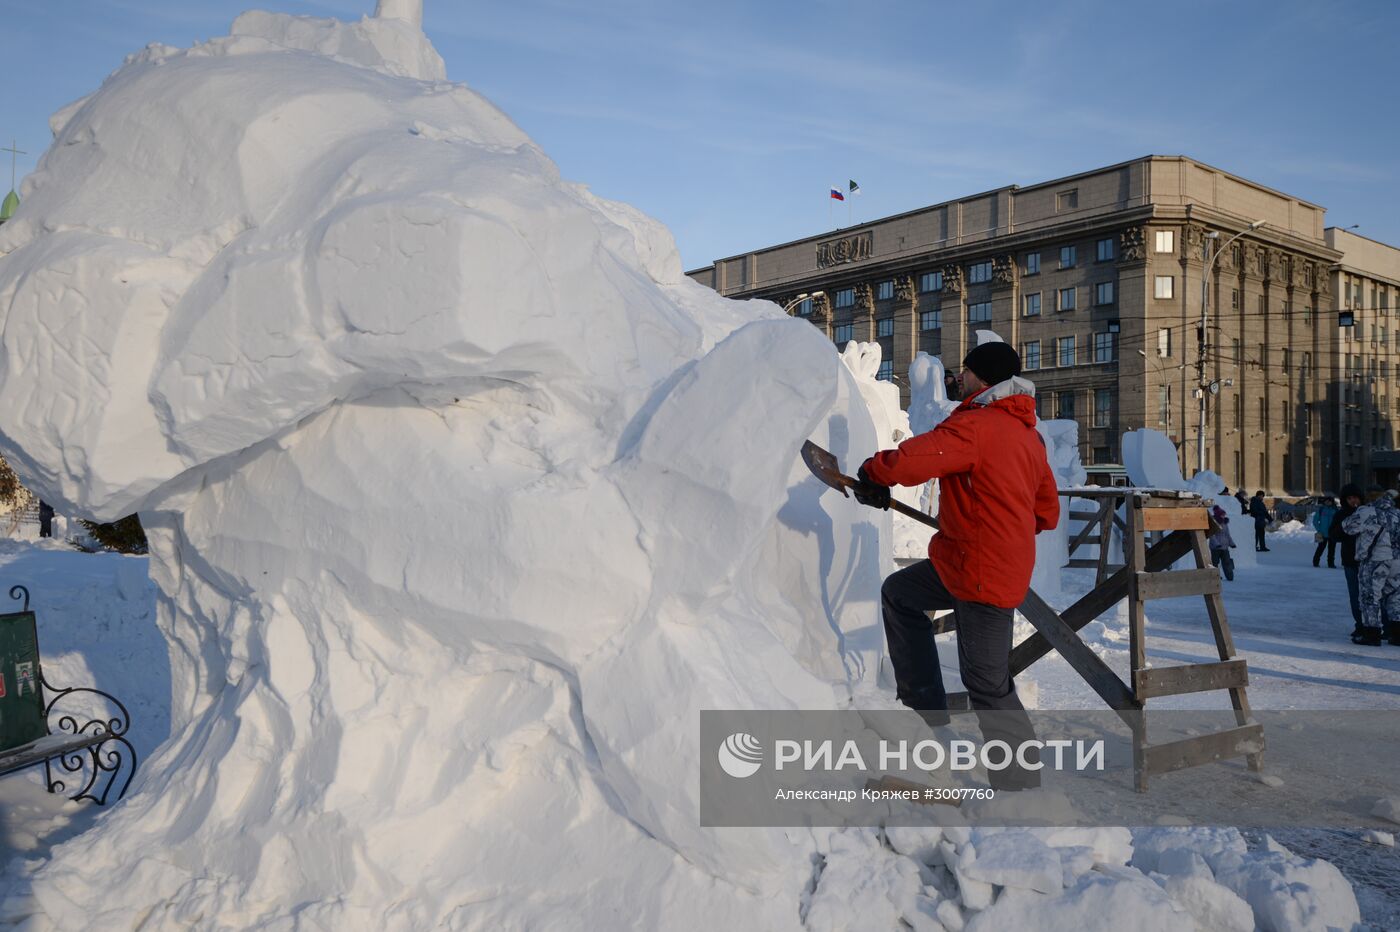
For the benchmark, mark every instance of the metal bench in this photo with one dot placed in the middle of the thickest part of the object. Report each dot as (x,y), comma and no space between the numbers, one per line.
(40,724)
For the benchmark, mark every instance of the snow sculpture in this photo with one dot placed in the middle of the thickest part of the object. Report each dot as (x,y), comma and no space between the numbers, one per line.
(459,502)
(1151,460)
(1052,547)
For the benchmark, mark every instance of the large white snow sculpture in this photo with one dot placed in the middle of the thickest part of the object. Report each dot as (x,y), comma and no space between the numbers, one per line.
(462,499)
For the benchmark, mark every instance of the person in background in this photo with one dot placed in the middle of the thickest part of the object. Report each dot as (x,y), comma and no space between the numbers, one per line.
(1260,513)
(1351,500)
(1243,500)
(951,386)
(1220,544)
(1377,530)
(1322,524)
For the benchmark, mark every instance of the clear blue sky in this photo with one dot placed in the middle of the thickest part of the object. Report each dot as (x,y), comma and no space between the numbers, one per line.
(729,120)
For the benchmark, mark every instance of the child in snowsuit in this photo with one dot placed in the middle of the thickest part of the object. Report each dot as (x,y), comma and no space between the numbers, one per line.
(1220,544)
(1377,530)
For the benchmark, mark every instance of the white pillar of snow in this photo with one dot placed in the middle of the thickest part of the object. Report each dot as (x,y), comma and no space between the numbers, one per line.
(410,11)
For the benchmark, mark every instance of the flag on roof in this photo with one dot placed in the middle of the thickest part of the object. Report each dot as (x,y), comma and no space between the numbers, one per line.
(855,188)
(837,195)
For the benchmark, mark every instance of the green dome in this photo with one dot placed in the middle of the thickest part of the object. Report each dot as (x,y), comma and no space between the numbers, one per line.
(7,209)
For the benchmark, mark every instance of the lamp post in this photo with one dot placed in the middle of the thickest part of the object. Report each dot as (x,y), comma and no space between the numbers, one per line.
(802,297)
(1204,388)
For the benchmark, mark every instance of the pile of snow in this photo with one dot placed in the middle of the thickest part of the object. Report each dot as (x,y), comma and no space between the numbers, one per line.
(460,509)
(979,880)
(1294,530)
(460,502)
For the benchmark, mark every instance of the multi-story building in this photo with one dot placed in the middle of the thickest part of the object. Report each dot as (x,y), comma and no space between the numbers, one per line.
(1361,417)
(1098,280)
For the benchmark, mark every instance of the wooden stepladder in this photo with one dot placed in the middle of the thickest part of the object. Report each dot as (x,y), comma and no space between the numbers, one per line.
(1182,522)
(1175,513)
(1097,529)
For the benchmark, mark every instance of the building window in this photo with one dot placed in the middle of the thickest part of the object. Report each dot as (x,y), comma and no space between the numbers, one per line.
(1105,346)
(1262,304)
(1067,257)
(1067,200)
(1164,404)
(1032,263)
(1064,351)
(979,313)
(1164,342)
(1307,361)
(1103,407)
(1102,455)
(1162,286)
(931,281)
(1166,241)
(930,320)
(1234,299)
(1066,299)
(886,371)
(979,272)
(1031,305)
(1239,410)
(844,333)
(884,327)
(1263,415)
(846,297)
(1287,358)
(1103,293)
(804,307)
(884,291)
(1030,355)
(1236,349)
(1064,408)
(1104,249)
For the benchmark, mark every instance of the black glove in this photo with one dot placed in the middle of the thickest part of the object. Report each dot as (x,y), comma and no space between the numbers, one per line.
(869,492)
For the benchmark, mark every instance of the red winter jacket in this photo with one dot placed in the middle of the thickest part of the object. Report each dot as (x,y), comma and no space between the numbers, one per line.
(997,492)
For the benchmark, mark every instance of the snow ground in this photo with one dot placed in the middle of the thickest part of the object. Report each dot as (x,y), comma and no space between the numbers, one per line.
(1289,620)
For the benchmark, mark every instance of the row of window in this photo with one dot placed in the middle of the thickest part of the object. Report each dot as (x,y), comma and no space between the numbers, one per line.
(1066,299)
(981,272)
(1064,404)
(1066,349)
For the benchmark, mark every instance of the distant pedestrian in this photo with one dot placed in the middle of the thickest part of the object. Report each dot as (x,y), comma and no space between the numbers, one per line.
(951,387)
(1377,530)
(1322,524)
(1351,501)
(1220,544)
(45,519)
(1260,513)
(1243,500)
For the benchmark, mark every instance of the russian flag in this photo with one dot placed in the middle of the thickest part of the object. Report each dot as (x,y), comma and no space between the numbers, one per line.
(837,195)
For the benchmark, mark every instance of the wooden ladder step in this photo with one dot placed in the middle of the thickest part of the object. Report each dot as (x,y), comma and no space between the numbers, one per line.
(1084,516)
(1089,563)
(1203,749)
(1170,584)
(1190,678)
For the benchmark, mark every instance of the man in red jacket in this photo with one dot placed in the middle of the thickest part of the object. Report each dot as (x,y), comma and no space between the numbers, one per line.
(997,492)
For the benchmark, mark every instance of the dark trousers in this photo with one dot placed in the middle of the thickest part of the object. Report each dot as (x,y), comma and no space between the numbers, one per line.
(1353,574)
(1259,534)
(1220,556)
(1331,547)
(984,660)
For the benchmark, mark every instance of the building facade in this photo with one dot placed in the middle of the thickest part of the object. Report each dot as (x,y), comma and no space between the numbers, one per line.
(1099,280)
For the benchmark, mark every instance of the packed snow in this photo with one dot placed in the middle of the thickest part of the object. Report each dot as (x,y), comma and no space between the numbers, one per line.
(461,508)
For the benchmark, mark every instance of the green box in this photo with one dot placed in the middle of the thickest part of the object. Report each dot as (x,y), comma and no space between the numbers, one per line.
(21,700)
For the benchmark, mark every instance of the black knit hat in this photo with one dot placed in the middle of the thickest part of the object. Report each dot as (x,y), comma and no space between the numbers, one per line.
(993,362)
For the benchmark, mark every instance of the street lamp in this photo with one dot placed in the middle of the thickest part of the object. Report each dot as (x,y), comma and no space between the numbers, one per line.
(802,297)
(1204,388)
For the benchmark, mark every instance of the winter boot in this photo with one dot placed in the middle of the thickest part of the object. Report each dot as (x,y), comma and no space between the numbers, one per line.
(1368,636)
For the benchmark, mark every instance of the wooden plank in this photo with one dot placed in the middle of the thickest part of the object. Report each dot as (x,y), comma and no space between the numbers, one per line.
(1091,563)
(1106,514)
(1245,740)
(1083,515)
(1174,583)
(1134,554)
(1189,678)
(1086,663)
(1173,519)
(1100,599)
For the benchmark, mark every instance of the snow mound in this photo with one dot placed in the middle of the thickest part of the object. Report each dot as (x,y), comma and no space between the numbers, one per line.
(460,506)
